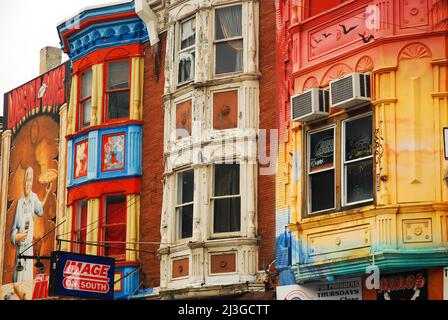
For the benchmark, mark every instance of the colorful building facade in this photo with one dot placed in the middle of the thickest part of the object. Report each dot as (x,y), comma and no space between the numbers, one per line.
(216,224)
(378,199)
(106,45)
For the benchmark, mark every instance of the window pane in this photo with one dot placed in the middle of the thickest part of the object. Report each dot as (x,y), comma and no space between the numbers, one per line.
(227,180)
(229,57)
(321,149)
(358,138)
(186,66)
(188,33)
(118,75)
(227,215)
(115,234)
(86,84)
(185,188)
(359,181)
(116,209)
(225,110)
(186,221)
(322,191)
(228,22)
(115,214)
(118,105)
(86,113)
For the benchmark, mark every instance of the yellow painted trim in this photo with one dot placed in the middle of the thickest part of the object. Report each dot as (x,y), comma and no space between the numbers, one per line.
(71,122)
(67,235)
(132,226)
(98,84)
(137,68)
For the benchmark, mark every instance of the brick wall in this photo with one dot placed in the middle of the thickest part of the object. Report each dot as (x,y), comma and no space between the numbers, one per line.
(268,120)
(152,164)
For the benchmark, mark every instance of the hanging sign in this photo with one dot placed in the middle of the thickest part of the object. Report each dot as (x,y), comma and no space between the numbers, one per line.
(343,289)
(82,276)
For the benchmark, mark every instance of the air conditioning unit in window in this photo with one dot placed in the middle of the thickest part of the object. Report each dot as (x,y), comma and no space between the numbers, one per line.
(310,105)
(350,91)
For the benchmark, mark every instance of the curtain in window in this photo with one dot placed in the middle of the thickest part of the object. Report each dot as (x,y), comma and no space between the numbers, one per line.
(188,34)
(186,66)
(230,22)
(227,180)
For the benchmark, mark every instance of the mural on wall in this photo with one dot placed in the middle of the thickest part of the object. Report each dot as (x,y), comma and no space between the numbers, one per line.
(114,152)
(32,115)
(81,158)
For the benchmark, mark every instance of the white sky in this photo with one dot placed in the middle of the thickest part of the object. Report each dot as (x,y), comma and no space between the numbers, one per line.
(26,26)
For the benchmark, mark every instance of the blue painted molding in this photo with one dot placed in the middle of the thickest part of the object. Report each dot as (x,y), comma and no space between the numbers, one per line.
(102,35)
(133,156)
(129,284)
(95,12)
(107,35)
(389,261)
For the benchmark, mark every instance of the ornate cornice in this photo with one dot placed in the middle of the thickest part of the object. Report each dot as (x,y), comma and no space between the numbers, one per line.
(101,27)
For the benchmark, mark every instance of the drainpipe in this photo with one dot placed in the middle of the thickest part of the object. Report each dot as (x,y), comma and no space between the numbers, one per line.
(148,16)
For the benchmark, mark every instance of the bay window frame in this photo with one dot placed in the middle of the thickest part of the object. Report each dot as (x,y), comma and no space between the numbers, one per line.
(344,163)
(178,206)
(179,50)
(337,122)
(213,199)
(82,100)
(103,226)
(226,40)
(309,173)
(106,91)
(76,236)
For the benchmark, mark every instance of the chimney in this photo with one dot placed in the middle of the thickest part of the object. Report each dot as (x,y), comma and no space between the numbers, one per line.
(50,58)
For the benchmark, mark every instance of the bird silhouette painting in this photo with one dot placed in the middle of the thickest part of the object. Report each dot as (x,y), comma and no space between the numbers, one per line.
(347,31)
(368,39)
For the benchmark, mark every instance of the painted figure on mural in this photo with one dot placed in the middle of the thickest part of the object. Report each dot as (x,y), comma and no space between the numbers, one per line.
(22,232)
(81,159)
(114,153)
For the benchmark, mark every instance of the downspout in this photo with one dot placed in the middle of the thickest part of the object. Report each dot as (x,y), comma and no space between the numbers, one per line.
(144,12)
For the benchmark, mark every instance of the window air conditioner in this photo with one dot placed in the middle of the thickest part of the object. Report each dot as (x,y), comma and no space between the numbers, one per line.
(310,105)
(350,91)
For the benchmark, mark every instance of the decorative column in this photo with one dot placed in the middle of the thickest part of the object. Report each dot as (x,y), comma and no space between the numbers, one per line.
(93,226)
(252,35)
(97,95)
(6,146)
(384,101)
(296,190)
(132,226)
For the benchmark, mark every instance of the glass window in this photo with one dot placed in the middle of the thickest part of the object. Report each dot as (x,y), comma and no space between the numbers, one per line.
(227,199)
(80,227)
(118,90)
(225,110)
(183,119)
(321,170)
(358,160)
(229,39)
(85,100)
(185,203)
(114,227)
(187,51)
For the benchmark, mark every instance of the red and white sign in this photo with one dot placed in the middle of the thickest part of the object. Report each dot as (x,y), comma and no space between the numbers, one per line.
(85,276)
